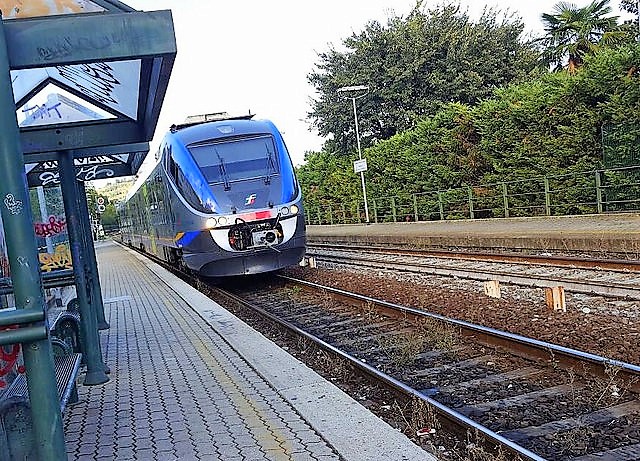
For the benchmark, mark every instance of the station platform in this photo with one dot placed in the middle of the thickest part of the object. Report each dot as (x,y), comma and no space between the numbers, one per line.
(617,233)
(189,381)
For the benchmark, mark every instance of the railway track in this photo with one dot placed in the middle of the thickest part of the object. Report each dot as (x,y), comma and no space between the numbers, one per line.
(610,278)
(625,265)
(516,396)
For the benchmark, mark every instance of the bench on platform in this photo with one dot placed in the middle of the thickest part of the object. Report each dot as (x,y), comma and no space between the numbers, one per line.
(17,440)
(64,324)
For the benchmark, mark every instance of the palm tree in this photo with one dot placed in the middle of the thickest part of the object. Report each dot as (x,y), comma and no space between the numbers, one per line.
(630,6)
(572,33)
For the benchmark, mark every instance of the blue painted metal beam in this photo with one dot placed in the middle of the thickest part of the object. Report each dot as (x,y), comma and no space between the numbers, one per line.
(89,337)
(82,38)
(81,136)
(138,149)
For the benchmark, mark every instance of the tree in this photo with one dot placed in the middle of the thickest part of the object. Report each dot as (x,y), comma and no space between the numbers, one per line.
(549,126)
(109,219)
(92,200)
(324,176)
(414,66)
(630,6)
(573,33)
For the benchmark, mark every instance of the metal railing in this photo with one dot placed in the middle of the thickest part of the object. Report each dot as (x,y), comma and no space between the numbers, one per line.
(593,192)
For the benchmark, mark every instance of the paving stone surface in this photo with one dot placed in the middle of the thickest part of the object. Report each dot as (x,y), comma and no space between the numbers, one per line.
(176,389)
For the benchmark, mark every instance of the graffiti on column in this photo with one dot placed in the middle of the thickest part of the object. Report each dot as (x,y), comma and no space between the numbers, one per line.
(59,259)
(13,205)
(55,226)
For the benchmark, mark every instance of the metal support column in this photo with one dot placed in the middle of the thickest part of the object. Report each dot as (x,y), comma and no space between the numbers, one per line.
(89,336)
(25,271)
(90,251)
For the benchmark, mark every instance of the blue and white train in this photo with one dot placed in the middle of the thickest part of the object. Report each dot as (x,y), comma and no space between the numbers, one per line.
(222,199)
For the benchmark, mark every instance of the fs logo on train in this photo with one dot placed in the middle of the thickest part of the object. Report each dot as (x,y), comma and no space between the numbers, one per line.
(250,200)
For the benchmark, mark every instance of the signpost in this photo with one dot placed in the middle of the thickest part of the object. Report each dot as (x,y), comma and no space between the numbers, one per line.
(360,166)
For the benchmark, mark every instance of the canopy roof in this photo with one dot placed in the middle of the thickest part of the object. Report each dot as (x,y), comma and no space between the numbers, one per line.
(88,77)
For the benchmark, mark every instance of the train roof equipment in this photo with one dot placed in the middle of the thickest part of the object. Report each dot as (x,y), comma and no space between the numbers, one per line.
(192,120)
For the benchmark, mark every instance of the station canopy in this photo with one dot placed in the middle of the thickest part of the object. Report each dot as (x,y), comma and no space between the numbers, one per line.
(88,77)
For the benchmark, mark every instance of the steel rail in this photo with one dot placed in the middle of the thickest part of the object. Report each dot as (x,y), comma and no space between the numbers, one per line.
(452,416)
(522,345)
(621,265)
(605,288)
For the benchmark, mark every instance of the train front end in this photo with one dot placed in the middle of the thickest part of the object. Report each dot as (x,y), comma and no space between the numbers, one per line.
(250,214)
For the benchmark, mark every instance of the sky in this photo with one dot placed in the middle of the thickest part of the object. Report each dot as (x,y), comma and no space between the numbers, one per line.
(255,55)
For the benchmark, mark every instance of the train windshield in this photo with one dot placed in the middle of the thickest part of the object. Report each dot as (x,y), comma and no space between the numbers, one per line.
(237,160)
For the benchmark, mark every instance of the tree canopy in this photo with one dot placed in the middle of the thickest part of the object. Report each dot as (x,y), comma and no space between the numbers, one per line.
(414,66)
(455,103)
(549,125)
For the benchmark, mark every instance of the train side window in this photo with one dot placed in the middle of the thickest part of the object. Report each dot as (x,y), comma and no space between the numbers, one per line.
(187,191)
(167,158)
(173,169)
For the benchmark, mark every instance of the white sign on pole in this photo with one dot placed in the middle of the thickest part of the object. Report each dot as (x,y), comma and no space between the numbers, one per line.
(360,165)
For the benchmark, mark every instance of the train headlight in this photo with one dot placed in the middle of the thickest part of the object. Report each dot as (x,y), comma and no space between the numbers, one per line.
(294,209)
(222,221)
(284,211)
(211,223)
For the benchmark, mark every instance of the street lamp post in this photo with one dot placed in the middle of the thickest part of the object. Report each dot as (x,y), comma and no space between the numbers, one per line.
(345,90)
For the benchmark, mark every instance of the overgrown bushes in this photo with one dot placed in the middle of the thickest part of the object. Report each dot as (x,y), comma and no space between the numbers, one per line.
(550,126)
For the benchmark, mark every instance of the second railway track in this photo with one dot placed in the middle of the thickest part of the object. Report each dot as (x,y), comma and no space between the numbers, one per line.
(620,279)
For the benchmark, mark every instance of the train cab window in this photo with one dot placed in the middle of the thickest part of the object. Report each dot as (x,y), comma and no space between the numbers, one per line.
(237,159)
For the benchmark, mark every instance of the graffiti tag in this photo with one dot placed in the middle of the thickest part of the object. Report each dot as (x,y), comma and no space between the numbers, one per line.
(94,172)
(65,46)
(84,174)
(13,205)
(53,227)
(42,111)
(59,259)
(95,80)
(23,261)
